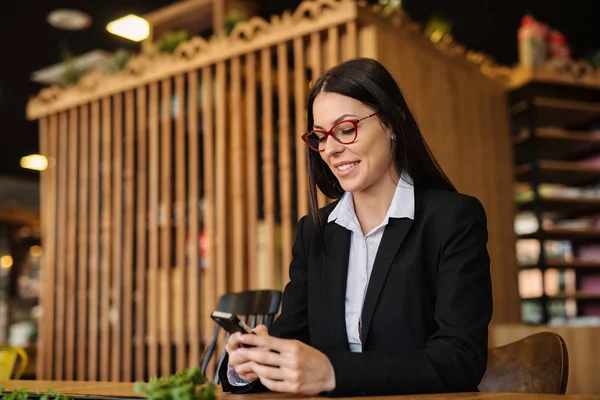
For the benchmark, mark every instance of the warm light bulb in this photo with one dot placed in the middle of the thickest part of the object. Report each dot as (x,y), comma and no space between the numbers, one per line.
(130,27)
(36,162)
(6,262)
(35,251)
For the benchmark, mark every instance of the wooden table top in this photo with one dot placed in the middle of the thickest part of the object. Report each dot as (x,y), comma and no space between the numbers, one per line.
(124,389)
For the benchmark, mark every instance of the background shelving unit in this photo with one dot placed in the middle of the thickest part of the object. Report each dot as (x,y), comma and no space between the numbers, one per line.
(556,142)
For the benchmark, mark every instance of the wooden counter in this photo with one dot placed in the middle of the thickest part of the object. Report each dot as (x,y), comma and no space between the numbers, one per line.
(126,390)
(583,345)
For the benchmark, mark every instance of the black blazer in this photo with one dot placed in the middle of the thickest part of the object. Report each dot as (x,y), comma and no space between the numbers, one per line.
(426,311)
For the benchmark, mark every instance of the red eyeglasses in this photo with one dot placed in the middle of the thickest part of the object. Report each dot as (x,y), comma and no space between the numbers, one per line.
(344,132)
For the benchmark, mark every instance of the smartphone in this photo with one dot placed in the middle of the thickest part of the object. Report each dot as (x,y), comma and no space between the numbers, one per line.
(230,322)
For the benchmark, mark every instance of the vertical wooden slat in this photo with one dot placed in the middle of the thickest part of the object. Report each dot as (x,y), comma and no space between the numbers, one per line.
(209,295)
(333,47)
(350,47)
(70,279)
(251,168)
(166,220)
(285,161)
(94,293)
(117,238)
(238,225)
(180,160)
(128,242)
(141,234)
(106,230)
(268,169)
(194,298)
(45,233)
(153,231)
(316,61)
(300,86)
(61,244)
(83,236)
(49,329)
(221,178)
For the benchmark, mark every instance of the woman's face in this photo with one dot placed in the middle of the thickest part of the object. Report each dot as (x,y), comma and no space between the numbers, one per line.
(364,164)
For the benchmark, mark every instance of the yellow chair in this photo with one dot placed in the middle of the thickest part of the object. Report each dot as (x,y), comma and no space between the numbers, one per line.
(8,360)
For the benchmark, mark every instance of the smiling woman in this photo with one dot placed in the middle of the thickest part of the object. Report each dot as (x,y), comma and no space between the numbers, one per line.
(390,288)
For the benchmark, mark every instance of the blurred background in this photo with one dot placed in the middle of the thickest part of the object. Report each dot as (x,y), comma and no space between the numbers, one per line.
(151,161)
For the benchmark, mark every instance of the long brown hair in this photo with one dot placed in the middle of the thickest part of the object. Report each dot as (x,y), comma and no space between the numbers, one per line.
(369,82)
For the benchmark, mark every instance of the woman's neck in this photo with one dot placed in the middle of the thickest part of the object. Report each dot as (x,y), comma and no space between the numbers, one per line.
(372,205)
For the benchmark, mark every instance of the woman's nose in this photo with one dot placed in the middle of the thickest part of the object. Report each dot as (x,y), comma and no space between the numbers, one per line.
(332,146)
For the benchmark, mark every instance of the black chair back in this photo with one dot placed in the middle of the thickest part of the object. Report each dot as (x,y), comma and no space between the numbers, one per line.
(254,307)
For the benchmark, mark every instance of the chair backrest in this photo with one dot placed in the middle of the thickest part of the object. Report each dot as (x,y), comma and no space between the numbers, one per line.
(253,307)
(8,359)
(536,364)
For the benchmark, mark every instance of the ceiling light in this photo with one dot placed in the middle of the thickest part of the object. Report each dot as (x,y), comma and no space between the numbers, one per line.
(34,161)
(130,27)
(71,20)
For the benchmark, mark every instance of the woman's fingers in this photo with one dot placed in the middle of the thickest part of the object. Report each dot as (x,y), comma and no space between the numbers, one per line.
(233,342)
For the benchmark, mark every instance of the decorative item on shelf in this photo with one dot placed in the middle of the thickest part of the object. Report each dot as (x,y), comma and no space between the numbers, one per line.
(389,6)
(532,42)
(439,28)
(71,75)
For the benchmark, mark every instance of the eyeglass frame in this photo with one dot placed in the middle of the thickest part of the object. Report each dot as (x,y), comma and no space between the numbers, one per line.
(355,122)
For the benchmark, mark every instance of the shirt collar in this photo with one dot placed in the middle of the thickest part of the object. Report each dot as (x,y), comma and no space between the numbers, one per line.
(402,206)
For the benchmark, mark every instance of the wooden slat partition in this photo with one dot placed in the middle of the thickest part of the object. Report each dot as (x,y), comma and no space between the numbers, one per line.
(94,252)
(106,233)
(180,222)
(237,223)
(61,217)
(71,251)
(181,178)
(153,231)
(268,170)
(141,235)
(194,292)
(83,239)
(251,175)
(129,239)
(285,162)
(117,240)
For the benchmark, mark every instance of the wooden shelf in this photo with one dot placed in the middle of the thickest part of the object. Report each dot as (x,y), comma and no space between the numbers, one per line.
(565,172)
(577,206)
(560,112)
(557,144)
(578,265)
(582,296)
(575,235)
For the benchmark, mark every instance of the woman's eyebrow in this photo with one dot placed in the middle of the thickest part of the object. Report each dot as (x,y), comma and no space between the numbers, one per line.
(340,118)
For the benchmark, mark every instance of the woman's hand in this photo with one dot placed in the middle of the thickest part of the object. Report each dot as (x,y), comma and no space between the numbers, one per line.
(288,366)
(237,360)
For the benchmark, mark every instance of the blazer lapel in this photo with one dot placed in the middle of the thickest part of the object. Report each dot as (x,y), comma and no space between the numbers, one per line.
(393,236)
(335,271)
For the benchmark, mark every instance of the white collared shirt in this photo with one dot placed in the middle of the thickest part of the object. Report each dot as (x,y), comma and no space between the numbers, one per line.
(363,249)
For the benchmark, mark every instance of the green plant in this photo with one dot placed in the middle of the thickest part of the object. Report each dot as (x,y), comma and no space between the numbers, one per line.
(233,18)
(189,384)
(22,394)
(438,27)
(116,62)
(170,40)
